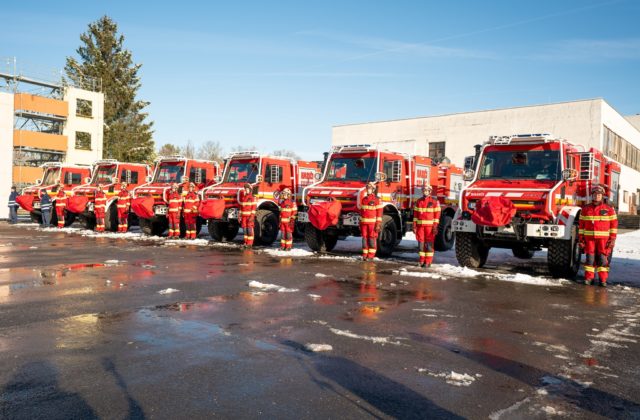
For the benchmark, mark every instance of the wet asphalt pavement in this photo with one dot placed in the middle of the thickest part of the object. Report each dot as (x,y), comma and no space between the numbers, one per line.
(85,333)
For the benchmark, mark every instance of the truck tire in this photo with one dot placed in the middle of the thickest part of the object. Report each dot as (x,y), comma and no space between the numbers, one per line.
(266,227)
(523,253)
(445,237)
(319,241)
(88,222)
(151,228)
(216,230)
(387,236)
(69,218)
(35,217)
(231,231)
(298,232)
(111,218)
(563,256)
(470,252)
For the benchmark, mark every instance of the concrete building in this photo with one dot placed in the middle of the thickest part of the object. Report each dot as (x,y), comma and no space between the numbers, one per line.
(592,122)
(61,124)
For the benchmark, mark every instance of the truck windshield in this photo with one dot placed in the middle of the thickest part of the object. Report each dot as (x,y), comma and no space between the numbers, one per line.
(169,173)
(51,176)
(242,172)
(531,164)
(352,169)
(104,174)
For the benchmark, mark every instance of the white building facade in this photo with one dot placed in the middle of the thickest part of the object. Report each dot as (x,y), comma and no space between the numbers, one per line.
(592,123)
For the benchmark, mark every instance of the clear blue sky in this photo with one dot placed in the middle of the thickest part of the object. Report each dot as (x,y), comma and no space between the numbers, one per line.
(280,74)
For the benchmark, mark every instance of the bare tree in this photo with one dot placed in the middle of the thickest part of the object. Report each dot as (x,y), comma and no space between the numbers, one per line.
(188,150)
(168,149)
(210,150)
(242,148)
(286,153)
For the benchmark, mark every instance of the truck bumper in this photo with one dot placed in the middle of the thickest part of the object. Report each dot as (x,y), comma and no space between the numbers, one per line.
(463,226)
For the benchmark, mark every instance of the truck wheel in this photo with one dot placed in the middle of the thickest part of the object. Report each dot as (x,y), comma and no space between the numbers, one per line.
(151,228)
(563,256)
(231,231)
(320,241)
(111,219)
(446,236)
(36,218)
(266,227)
(88,222)
(387,237)
(523,253)
(69,218)
(216,230)
(470,252)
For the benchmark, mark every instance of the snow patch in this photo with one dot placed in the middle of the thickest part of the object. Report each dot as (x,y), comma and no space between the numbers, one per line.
(270,287)
(295,252)
(377,340)
(527,279)
(322,275)
(453,378)
(318,347)
(424,274)
(314,297)
(168,291)
(452,270)
(112,262)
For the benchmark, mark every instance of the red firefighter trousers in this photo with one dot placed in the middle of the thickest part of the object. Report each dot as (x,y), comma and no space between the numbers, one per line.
(60,214)
(190,222)
(247,224)
(99,221)
(174,224)
(369,240)
(597,259)
(286,230)
(425,235)
(123,223)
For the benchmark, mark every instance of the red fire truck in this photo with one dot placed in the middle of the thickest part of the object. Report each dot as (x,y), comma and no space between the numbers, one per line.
(150,202)
(399,177)
(107,174)
(269,175)
(526,193)
(70,176)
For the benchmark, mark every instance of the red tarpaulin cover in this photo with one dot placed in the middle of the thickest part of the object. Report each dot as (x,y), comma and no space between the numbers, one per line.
(77,204)
(324,214)
(494,212)
(212,208)
(25,201)
(143,207)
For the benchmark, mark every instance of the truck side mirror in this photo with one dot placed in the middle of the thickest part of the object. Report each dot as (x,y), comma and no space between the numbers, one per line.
(217,179)
(317,176)
(38,181)
(569,174)
(469,174)
(469,162)
(87,180)
(259,178)
(149,178)
(380,177)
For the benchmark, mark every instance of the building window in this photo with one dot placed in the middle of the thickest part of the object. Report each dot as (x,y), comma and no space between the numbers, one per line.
(84,108)
(436,150)
(35,158)
(83,140)
(620,150)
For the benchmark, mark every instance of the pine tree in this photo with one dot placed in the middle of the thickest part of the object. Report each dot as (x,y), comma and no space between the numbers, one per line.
(102,57)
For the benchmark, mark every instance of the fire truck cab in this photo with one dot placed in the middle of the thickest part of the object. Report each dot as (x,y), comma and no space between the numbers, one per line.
(526,192)
(70,176)
(107,174)
(268,175)
(399,178)
(171,170)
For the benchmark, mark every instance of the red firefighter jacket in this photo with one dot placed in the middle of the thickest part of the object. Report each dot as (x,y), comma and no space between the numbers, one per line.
(175,202)
(61,199)
(124,200)
(100,203)
(370,210)
(248,205)
(426,212)
(288,211)
(191,201)
(598,221)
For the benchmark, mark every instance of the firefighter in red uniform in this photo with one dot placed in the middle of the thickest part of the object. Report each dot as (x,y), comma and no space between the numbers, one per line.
(288,213)
(426,216)
(248,205)
(183,188)
(61,204)
(191,201)
(99,208)
(175,205)
(370,221)
(598,230)
(124,202)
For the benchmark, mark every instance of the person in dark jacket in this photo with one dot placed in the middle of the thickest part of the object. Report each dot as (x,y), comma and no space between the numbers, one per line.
(45,208)
(13,206)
